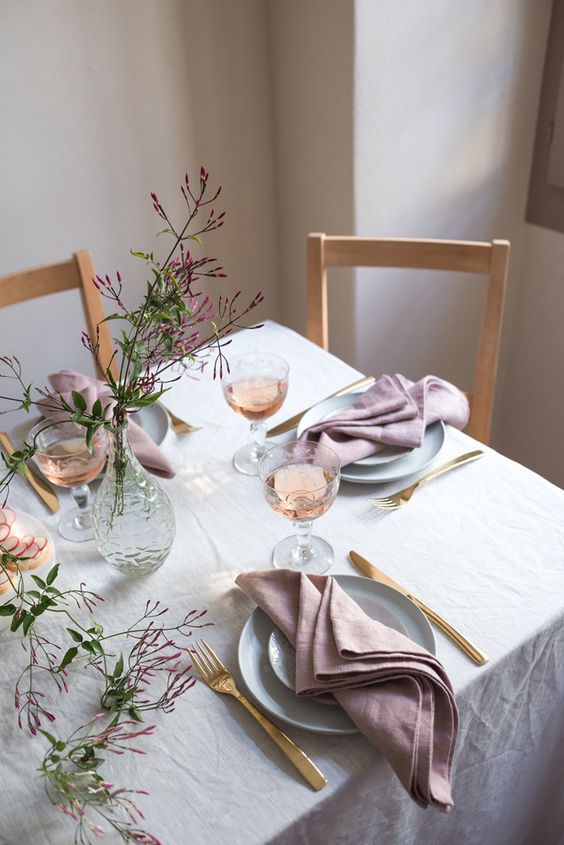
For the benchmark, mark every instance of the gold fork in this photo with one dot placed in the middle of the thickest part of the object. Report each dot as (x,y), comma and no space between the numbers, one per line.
(220,679)
(180,426)
(402,497)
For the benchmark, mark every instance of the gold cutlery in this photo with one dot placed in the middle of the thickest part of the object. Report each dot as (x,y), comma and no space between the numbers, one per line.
(376,574)
(180,426)
(293,421)
(402,497)
(220,679)
(41,487)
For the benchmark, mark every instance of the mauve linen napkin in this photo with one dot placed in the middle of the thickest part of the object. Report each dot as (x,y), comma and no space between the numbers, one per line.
(146,451)
(395,691)
(393,412)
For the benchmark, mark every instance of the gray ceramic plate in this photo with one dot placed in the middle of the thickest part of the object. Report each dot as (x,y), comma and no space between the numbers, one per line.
(364,472)
(275,698)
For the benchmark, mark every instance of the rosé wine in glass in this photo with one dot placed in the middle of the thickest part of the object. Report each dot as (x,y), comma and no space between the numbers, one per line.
(255,388)
(64,459)
(69,462)
(300,481)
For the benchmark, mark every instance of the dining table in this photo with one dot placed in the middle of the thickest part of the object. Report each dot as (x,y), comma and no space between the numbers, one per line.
(482,545)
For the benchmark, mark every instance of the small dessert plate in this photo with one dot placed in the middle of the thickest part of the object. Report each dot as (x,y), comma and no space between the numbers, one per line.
(282,656)
(283,661)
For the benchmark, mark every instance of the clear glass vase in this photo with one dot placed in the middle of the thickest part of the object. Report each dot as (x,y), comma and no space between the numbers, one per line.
(133,518)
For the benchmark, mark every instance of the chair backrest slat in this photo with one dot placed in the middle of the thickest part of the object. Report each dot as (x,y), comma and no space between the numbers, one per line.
(77,272)
(29,284)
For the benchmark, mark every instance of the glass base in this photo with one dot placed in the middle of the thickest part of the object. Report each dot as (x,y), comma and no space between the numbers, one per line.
(76,526)
(246,459)
(316,561)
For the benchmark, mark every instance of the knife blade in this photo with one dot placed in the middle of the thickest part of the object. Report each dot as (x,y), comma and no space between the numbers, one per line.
(293,421)
(371,571)
(40,486)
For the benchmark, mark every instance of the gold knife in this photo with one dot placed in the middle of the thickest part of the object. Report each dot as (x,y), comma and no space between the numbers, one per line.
(376,574)
(41,487)
(293,421)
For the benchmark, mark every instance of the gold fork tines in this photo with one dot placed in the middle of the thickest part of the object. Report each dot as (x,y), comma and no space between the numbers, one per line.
(402,497)
(220,679)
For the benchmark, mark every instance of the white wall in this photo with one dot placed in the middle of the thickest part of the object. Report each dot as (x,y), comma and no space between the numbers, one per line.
(104,101)
(445,110)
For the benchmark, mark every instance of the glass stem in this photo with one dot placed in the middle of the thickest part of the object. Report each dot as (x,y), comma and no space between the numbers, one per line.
(81,496)
(258,432)
(303,551)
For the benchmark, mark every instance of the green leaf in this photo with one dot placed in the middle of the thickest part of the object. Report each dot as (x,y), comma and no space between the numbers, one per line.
(79,401)
(69,656)
(135,713)
(113,317)
(52,574)
(90,432)
(39,581)
(87,646)
(7,609)
(35,594)
(75,635)
(97,646)
(17,619)
(97,408)
(118,667)
(29,620)
(60,746)
(48,736)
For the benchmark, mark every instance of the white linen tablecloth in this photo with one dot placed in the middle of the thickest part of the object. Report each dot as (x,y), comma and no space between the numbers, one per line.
(484,546)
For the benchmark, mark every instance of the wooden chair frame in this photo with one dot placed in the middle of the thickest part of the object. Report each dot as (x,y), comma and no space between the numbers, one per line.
(77,272)
(485,259)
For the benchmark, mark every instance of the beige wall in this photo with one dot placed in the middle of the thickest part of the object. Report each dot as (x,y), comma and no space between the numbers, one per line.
(103,101)
(312,61)
(533,399)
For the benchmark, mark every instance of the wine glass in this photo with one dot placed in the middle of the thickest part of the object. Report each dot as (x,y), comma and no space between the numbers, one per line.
(64,459)
(255,388)
(300,481)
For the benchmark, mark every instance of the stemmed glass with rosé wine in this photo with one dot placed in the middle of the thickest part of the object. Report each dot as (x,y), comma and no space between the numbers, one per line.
(64,459)
(255,388)
(300,481)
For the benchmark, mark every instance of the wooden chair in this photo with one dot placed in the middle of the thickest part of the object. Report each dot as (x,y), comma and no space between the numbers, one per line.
(485,259)
(77,272)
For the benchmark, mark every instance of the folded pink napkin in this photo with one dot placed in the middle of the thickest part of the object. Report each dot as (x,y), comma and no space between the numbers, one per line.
(63,383)
(396,692)
(393,412)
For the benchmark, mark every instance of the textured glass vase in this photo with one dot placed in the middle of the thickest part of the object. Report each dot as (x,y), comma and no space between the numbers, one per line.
(133,518)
